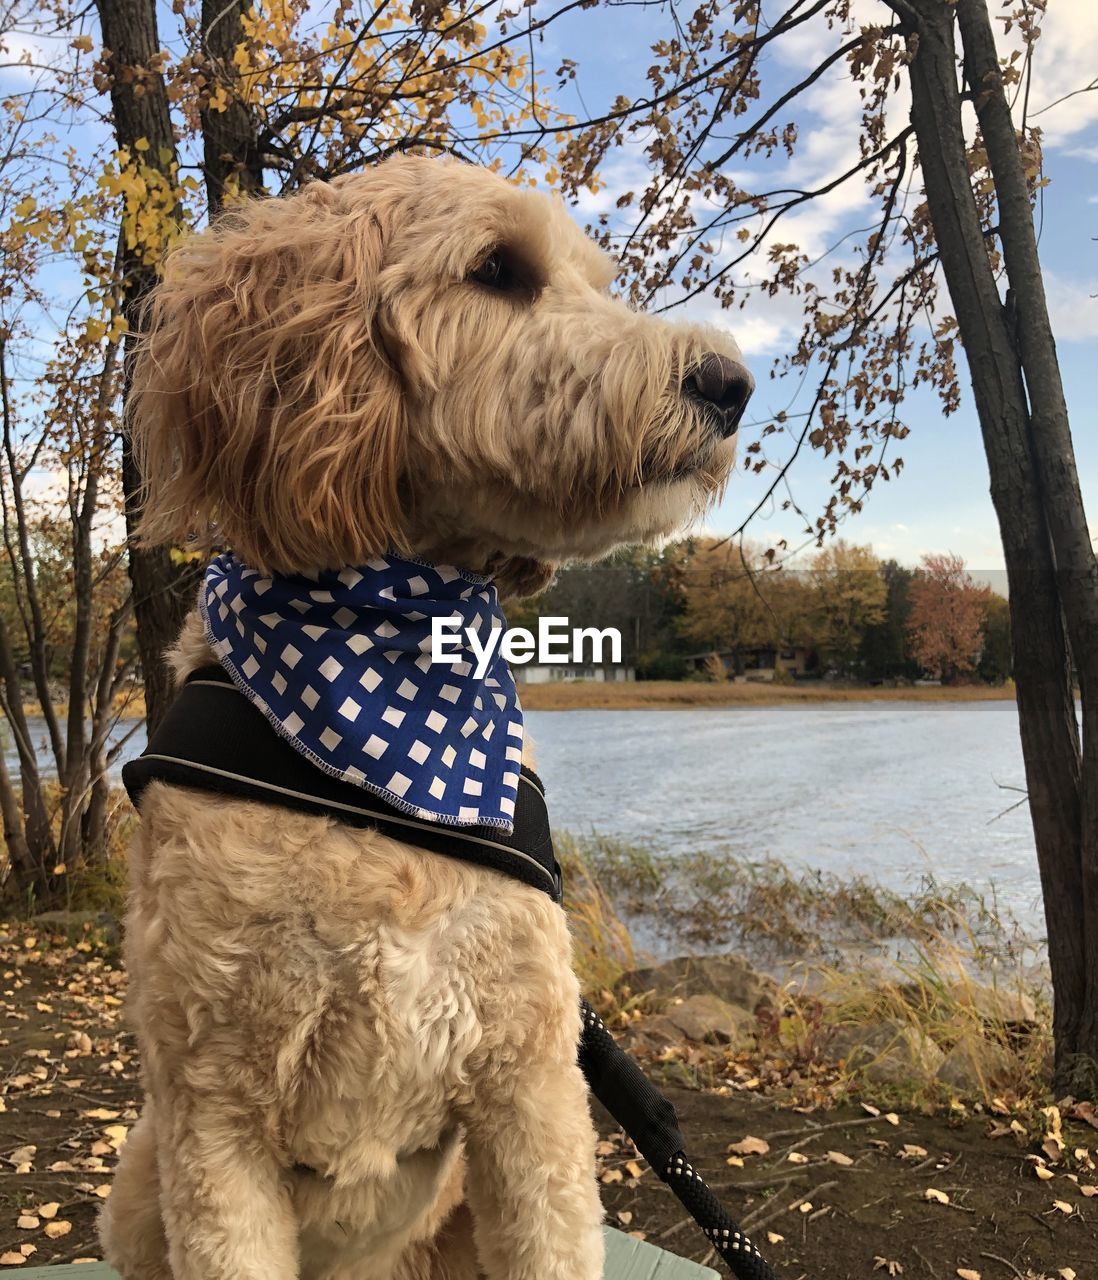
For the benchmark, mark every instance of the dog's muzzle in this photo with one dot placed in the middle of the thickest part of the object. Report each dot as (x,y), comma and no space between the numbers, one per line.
(723,386)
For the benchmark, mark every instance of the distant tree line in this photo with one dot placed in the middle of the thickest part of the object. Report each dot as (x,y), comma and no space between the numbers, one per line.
(848,613)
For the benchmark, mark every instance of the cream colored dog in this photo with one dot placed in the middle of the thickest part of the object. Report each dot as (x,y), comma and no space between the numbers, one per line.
(360,1057)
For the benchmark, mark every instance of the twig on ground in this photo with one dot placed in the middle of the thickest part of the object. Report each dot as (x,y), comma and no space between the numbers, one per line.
(767,1213)
(1006,1263)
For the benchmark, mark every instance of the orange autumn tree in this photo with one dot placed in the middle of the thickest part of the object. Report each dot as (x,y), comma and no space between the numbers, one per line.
(947,619)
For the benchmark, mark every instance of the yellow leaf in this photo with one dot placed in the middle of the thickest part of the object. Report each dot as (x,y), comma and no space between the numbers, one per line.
(1063,1207)
(966,1273)
(59,869)
(142,144)
(1044,1173)
(99,1113)
(82,43)
(27,1222)
(805,1206)
(55,1230)
(103,1190)
(939,1197)
(1089,1191)
(837,1157)
(735,1161)
(48,1210)
(797,1157)
(11,1259)
(749,1147)
(1066,1273)
(116,1135)
(612,1175)
(773,1237)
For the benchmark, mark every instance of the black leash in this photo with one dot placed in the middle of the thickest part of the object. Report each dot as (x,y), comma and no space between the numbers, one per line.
(213,739)
(649,1119)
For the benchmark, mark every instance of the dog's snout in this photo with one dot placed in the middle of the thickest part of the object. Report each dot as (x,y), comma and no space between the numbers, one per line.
(725,385)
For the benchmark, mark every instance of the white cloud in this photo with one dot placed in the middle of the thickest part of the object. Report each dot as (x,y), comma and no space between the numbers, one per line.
(1066,59)
(1073,307)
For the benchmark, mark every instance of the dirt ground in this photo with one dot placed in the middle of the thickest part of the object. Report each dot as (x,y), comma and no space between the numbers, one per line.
(838,1193)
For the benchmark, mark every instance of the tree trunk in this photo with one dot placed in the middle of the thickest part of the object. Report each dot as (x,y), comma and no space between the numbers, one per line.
(1012,364)
(231,145)
(1054,457)
(163,593)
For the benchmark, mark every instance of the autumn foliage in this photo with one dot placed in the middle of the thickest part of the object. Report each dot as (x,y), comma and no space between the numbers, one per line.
(948,615)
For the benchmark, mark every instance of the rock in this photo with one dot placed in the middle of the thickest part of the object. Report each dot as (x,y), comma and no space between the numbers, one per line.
(888,1052)
(707,1019)
(998,1005)
(976,1065)
(730,978)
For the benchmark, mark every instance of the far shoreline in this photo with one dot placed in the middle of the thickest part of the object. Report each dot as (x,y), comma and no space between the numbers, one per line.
(680,695)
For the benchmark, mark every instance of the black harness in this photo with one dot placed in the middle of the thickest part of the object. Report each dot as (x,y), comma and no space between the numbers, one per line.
(213,739)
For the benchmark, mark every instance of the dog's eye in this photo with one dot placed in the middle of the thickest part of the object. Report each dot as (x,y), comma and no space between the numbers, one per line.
(494,271)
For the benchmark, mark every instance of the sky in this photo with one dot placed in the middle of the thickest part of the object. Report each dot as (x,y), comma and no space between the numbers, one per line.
(940,502)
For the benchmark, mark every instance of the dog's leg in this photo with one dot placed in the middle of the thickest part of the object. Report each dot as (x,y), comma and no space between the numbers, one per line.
(531,1146)
(130,1226)
(226,1204)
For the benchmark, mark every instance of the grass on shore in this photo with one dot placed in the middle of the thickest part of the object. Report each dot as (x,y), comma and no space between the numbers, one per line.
(636,695)
(941,972)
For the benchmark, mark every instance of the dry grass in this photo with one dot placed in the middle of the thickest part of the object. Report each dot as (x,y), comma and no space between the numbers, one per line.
(571,695)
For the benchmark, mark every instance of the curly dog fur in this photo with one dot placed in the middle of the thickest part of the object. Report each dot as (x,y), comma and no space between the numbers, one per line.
(359,1057)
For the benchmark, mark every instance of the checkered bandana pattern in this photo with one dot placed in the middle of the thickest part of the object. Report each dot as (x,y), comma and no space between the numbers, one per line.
(340,664)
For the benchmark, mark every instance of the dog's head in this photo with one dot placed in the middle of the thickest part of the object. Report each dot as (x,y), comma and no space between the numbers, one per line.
(426,358)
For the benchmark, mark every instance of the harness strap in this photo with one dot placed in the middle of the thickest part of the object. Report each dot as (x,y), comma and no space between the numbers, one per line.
(214,739)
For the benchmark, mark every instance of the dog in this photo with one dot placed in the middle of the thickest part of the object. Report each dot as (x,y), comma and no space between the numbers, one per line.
(359,1057)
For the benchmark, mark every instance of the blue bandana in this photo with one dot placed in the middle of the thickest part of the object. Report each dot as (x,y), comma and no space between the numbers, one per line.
(340,663)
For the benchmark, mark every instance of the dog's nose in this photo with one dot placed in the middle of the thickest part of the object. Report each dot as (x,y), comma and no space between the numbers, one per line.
(726,385)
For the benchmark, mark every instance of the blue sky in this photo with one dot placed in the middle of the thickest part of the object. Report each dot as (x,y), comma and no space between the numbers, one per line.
(940,502)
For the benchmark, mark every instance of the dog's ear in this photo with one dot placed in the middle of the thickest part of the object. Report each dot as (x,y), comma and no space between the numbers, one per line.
(267,415)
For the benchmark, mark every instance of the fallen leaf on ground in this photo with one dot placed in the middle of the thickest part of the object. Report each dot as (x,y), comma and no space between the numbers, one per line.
(55,1230)
(966,1273)
(1063,1206)
(805,1206)
(890,1265)
(28,1222)
(797,1157)
(772,1237)
(48,1210)
(749,1146)
(1089,1191)
(1084,1111)
(939,1197)
(1066,1273)
(837,1157)
(11,1259)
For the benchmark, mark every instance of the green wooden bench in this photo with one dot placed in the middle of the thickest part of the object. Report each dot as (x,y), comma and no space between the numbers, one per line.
(626,1259)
